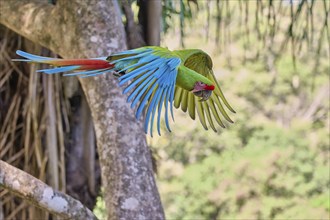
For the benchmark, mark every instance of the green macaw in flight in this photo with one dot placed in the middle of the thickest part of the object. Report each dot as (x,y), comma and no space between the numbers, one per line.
(155,77)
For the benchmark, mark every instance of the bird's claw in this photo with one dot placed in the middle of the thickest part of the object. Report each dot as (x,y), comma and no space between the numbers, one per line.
(204,94)
(119,74)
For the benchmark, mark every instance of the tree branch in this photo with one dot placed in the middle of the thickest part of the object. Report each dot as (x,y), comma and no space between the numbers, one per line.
(34,20)
(79,29)
(323,94)
(40,194)
(133,30)
(154,21)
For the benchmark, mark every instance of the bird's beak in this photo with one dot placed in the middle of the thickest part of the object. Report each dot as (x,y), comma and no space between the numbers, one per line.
(204,94)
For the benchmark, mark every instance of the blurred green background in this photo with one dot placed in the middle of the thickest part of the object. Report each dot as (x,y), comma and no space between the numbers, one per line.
(272,61)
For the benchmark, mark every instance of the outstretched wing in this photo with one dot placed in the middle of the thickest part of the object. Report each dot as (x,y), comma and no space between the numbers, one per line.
(200,62)
(150,75)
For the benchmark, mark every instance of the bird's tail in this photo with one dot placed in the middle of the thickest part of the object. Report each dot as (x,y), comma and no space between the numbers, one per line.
(89,67)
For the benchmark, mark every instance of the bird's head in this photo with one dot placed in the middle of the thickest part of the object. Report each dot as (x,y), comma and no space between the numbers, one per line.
(203,90)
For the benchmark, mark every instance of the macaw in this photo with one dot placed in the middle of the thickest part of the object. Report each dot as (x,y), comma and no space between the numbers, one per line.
(155,77)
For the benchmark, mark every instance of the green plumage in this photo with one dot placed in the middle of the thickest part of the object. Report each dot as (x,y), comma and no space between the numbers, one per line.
(195,66)
(156,77)
(187,78)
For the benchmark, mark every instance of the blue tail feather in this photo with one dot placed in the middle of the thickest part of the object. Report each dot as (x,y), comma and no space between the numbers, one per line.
(32,57)
(58,69)
(83,72)
(100,72)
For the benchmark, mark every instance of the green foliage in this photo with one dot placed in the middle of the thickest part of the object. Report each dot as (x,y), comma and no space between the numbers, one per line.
(273,162)
(99,209)
(276,175)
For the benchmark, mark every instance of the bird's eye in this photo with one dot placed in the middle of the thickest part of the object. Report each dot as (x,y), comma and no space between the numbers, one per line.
(202,84)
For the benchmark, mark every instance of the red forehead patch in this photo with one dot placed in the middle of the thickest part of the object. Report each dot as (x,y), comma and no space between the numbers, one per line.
(209,87)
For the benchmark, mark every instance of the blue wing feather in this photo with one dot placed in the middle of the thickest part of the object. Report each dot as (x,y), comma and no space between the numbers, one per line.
(132,66)
(135,51)
(144,101)
(157,75)
(157,103)
(133,84)
(171,100)
(134,73)
(160,110)
(166,110)
(151,78)
(151,109)
(150,75)
(139,91)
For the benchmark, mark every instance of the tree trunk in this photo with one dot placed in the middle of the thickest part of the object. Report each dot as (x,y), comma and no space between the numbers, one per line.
(77,29)
(150,15)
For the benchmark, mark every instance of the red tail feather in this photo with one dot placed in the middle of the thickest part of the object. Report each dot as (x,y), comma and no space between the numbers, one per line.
(86,64)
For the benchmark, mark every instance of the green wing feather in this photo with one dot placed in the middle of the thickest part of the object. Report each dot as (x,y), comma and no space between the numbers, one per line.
(211,109)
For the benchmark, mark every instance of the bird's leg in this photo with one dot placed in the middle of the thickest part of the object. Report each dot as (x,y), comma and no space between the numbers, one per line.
(119,74)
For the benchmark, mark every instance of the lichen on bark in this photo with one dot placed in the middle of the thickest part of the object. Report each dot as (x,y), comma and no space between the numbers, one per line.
(41,195)
(79,29)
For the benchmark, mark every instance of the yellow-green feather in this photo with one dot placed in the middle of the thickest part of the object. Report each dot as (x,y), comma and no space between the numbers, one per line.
(198,67)
(191,106)
(208,115)
(187,78)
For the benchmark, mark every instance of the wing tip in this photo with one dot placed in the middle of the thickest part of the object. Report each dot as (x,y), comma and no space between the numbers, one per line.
(229,120)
